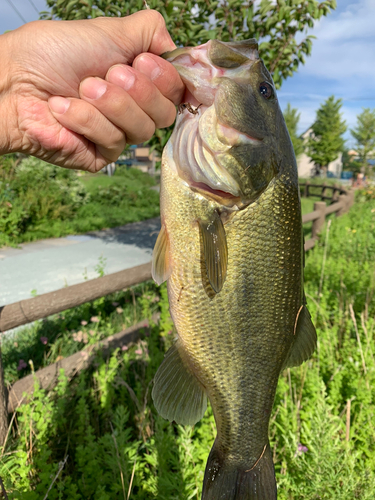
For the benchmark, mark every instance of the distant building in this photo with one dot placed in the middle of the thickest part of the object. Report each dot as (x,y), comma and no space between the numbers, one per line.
(306,167)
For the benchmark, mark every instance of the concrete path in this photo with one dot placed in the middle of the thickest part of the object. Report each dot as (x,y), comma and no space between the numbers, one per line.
(51,264)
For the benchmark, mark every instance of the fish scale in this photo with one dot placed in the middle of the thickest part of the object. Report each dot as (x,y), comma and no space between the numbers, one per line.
(233,264)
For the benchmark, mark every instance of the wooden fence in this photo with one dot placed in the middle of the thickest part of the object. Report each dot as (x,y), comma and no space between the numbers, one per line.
(26,311)
(322,191)
(341,201)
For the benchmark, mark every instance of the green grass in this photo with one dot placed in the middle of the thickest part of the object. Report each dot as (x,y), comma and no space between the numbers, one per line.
(132,179)
(40,202)
(64,334)
(307,205)
(318,180)
(105,423)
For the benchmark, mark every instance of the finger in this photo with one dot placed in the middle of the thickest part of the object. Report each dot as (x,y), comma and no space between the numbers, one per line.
(144,31)
(81,117)
(147,96)
(119,108)
(162,74)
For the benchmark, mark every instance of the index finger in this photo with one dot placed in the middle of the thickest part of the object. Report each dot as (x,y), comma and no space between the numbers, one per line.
(143,31)
(162,74)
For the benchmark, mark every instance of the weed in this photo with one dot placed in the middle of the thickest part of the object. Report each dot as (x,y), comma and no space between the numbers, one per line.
(39,200)
(322,427)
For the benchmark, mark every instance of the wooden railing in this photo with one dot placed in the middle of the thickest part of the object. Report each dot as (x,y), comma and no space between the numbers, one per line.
(46,304)
(329,192)
(26,311)
(340,205)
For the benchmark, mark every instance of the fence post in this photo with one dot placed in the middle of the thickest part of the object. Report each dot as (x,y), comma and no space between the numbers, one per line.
(306,190)
(351,196)
(318,223)
(344,199)
(334,192)
(3,404)
(324,191)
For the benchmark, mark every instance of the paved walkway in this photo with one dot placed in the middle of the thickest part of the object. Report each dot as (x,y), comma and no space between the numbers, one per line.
(51,264)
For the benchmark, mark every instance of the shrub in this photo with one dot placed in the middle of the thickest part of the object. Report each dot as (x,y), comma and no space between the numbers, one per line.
(322,427)
(34,192)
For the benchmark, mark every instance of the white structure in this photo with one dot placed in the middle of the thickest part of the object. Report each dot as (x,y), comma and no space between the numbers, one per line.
(306,165)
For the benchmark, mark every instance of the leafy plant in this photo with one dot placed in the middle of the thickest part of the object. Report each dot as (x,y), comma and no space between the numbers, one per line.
(39,200)
(276,25)
(364,135)
(103,428)
(326,139)
(35,193)
(292,117)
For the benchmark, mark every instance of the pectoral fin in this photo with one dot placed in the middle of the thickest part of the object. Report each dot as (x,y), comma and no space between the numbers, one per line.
(161,262)
(304,339)
(215,251)
(178,395)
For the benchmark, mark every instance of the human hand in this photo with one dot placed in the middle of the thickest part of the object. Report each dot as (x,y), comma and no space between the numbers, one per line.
(69,96)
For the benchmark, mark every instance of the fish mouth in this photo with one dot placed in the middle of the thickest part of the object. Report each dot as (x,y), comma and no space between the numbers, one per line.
(199,139)
(197,73)
(201,69)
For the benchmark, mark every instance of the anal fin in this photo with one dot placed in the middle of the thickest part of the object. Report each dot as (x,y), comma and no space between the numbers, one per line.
(161,261)
(177,394)
(304,339)
(215,251)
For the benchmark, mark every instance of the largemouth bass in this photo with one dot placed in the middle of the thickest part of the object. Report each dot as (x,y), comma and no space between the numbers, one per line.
(231,248)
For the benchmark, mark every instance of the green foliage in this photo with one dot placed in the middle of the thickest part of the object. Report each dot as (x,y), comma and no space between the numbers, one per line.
(292,117)
(274,24)
(348,163)
(64,334)
(34,193)
(322,427)
(364,134)
(326,141)
(365,194)
(39,200)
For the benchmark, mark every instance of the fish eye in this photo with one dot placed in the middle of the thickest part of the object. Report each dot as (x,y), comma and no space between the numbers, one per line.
(266,90)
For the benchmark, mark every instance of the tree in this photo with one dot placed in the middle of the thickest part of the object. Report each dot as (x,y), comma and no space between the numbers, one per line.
(349,163)
(364,134)
(191,22)
(326,140)
(292,116)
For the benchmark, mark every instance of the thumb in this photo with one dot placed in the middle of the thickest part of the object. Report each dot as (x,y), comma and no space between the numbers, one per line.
(144,31)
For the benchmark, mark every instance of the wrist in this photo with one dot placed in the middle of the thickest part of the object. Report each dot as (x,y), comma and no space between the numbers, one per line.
(9,133)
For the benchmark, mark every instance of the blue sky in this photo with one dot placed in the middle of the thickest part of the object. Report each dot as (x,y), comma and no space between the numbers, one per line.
(342,61)
(342,64)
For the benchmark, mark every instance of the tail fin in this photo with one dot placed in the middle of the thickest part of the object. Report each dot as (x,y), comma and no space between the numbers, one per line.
(225,481)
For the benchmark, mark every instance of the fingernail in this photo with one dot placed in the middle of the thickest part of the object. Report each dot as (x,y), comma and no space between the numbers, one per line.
(121,76)
(148,67)
(93,88)
(58,104)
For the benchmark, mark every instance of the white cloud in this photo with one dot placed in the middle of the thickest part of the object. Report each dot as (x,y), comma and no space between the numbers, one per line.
(345,44)
(341,64)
